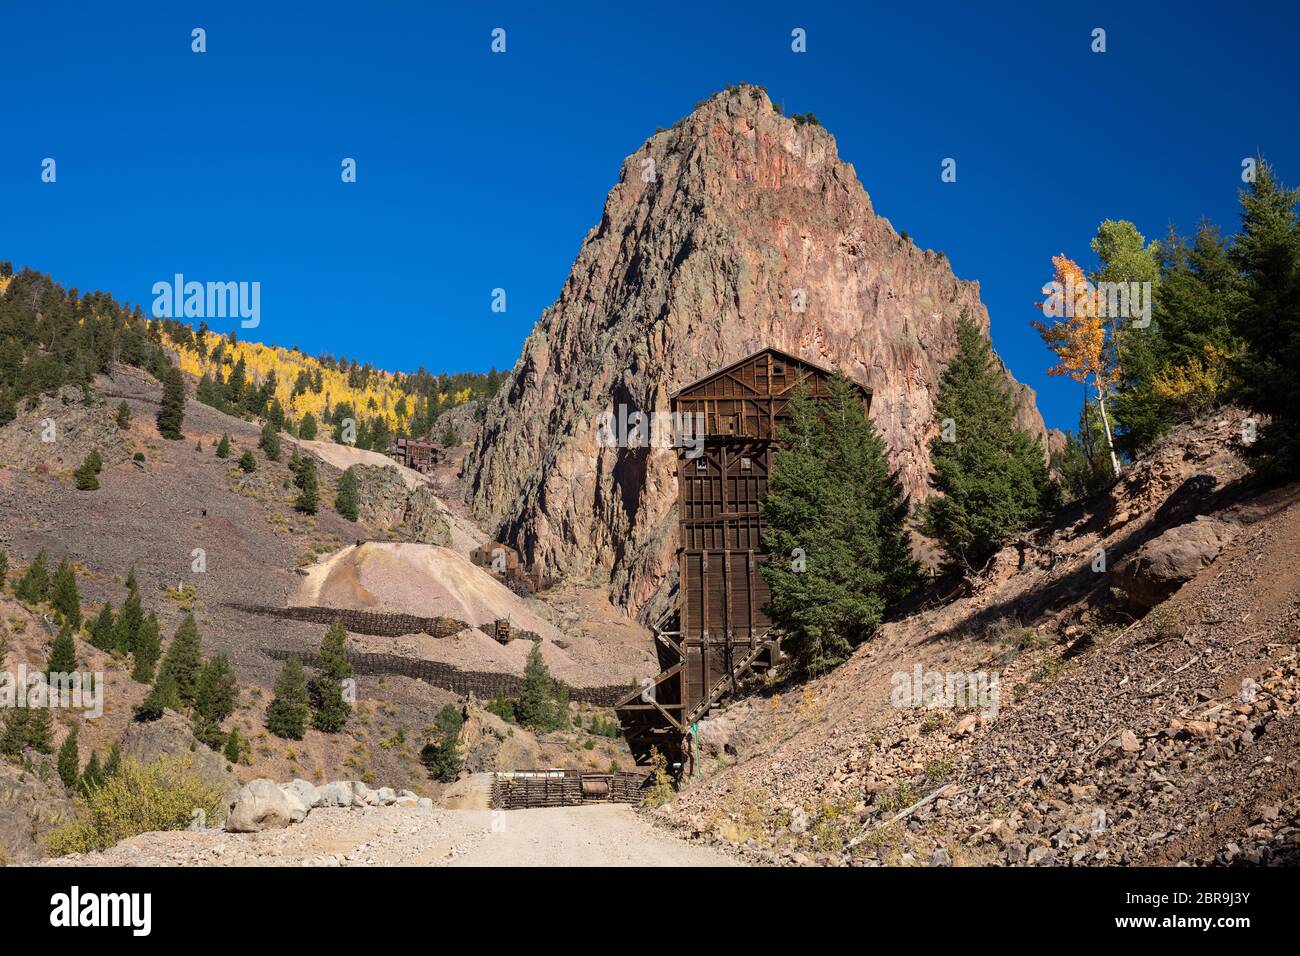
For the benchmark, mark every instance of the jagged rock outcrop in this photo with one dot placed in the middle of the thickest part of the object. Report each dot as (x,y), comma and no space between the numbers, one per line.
(736,229)
(32,803)
(387,501)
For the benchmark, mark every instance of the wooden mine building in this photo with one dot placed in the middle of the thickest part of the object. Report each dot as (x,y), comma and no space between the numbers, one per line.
(719,632)
(414,453)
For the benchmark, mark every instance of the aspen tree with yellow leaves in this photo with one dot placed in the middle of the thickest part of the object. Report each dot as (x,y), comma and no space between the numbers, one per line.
(1080,337)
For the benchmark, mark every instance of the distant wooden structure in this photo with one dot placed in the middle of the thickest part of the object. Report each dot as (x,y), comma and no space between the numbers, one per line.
(719,632)
(414,453)
(504,562)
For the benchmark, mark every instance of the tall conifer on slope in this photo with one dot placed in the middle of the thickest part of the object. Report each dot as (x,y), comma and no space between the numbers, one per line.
(64,597)
(63,653)
(347,498)
(69,763)
(309,495)
(171,413)
(184,660)
(269,441)
(286,716)
(34,586)
(991,475)
(126,630)
(836,535)
(148,648)
(1267,251)
(330,709)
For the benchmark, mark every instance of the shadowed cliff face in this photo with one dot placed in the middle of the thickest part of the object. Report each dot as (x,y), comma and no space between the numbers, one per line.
(734,230)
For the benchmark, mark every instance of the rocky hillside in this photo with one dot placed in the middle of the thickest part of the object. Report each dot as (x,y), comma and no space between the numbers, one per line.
(1119,735)
(736,229)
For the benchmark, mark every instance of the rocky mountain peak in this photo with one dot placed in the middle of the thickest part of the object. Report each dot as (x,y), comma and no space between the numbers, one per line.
(736,229)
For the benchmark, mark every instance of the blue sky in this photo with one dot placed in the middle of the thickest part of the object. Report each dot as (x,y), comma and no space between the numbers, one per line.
(478,171)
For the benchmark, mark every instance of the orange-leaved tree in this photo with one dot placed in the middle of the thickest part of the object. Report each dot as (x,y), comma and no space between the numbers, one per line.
(1079,336)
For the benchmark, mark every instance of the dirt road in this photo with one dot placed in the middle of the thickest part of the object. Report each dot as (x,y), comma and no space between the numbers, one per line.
(592,835)
(600,834)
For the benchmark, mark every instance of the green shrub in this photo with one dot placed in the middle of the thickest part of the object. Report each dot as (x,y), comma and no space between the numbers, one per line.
(138,799)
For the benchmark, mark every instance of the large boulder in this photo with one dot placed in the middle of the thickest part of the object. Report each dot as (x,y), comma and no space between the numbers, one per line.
(261,805)
(305,791)
(1167,562)
(336,794)
(363,796)
(298,807)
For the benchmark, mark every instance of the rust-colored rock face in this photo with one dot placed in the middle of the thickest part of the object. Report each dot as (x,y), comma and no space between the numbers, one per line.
(734,230)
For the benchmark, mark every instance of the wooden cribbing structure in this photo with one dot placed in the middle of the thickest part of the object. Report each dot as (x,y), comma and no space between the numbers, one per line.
(482,684)
(517,790)
(390,625)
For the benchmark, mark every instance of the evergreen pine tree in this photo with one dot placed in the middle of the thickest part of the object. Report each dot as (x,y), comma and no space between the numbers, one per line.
(286,716)
(183,661)
(34,586)
(171,413)
(101,629)
(92,778)
(64,597)
(1267,252)
(69,762)
(307,427)
(329,708)
(148,648)
(347,498)
(126,629)
(991,474)
(309,497)
(247,463)
(236,383)
(63,653)
(223,447)
(162,697)
(539,705)
(217,694)
(232,749)
(4,568)
(87,475)
(1198,294)
(26,728)
(270,442)
(123,416)
(835,529)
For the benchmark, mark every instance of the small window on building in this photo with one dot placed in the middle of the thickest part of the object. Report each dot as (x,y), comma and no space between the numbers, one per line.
(778,368)
(746,464)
